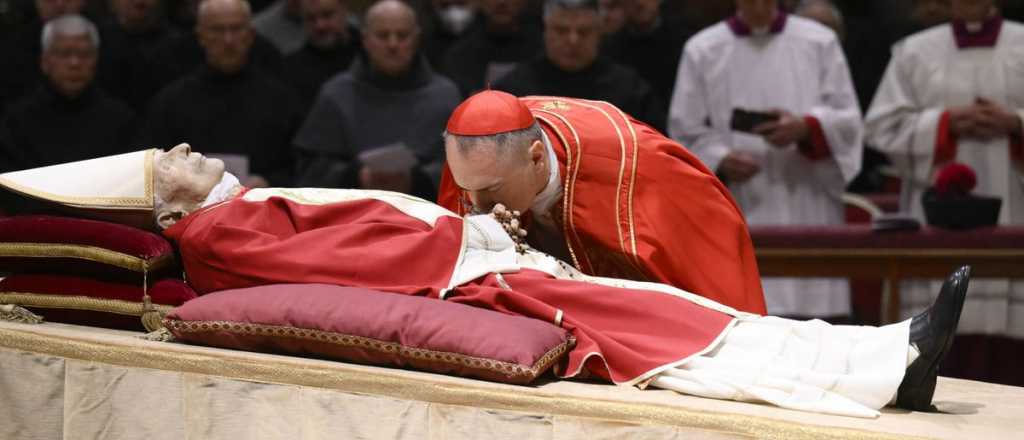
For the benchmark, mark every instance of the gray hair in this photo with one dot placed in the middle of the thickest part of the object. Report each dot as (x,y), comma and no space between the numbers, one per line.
(585,5)
(71,25)
(503,143)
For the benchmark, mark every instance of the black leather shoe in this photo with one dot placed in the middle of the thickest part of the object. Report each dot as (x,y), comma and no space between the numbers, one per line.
(932,332)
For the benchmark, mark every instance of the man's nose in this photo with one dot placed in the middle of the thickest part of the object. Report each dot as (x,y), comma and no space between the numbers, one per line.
(573,38)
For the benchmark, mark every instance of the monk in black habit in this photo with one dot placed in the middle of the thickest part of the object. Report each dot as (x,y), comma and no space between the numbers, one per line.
(651,43)
(229,105)
(571,66)
(502,37)
(136,29)
(67,118)
(330,47)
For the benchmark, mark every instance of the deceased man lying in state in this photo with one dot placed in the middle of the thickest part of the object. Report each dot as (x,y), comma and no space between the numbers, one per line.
(627,332)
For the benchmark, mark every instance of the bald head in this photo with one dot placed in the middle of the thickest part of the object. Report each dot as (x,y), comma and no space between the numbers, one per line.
(225,33)
(211,8)
(390,10)
(391,37)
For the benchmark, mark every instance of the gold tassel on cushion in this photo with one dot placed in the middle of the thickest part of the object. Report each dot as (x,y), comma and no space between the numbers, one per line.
(152,320)
(162,335)
(13,313)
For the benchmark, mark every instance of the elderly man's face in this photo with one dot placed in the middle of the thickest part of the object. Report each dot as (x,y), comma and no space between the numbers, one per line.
(972,10)
(489,178)
(184,178)
(613,15)
(757,13)
(50,9)
(136,14)
(226,36)
(391,38)
(572,38)
(70,63)
(324,21)
(502,13)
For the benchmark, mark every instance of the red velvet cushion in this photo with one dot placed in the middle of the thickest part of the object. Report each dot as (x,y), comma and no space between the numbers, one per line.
(43,243)
(84,301)
(371,327)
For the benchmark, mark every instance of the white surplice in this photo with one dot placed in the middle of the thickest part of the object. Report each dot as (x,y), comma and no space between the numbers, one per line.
(802,70)
(927,74)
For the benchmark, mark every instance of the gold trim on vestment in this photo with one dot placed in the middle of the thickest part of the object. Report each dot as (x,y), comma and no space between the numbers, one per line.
(510,370)
(144,203)
(402,385)
(635,261)
(84,252)
(630,252)
(79,302)
(568,221)
(632,183)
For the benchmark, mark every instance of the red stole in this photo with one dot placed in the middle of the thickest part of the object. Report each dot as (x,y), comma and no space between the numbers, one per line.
(640,206)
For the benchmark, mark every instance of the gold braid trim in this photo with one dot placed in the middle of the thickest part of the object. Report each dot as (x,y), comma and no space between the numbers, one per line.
(508,369)
(76,302)
(84,252)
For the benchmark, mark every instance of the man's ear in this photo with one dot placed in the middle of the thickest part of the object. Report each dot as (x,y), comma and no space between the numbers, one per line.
(168,217)
(538,155)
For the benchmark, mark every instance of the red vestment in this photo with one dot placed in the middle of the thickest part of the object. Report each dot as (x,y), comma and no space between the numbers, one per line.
(638,206)
(623,335)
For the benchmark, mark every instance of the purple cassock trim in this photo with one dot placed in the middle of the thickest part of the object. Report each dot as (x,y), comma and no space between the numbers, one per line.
(986,37)
(741,29)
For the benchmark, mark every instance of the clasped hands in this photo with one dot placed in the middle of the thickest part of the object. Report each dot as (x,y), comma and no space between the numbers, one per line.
(739,166)
(983,120)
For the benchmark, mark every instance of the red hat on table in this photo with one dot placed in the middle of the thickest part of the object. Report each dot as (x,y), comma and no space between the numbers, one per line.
(489,113)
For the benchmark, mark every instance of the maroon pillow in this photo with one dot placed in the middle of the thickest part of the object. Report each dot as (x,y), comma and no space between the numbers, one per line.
(85,301)
(371,327)
(48,244)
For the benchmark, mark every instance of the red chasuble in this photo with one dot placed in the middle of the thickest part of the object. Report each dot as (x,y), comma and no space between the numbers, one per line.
(639,206)
(623,335)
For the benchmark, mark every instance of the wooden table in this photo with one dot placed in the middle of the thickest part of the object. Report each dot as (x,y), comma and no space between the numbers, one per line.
(855,251)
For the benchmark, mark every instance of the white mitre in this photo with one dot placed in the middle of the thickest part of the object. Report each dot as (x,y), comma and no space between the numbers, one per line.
(114,188)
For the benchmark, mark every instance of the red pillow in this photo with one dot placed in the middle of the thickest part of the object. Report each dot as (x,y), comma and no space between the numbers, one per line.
(371,327)
(85,301)
(48,244)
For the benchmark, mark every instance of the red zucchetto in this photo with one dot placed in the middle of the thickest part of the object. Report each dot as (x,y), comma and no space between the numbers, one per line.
(488,113)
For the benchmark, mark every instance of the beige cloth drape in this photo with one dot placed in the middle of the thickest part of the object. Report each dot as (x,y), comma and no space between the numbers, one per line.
(67,382)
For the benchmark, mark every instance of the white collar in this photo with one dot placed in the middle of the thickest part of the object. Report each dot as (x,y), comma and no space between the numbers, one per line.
(224,190)
(553,191)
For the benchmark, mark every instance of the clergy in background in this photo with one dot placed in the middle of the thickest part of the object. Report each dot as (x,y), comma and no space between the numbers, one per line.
(572,65)
(765,100)
(330,47)
(603,191)
(67,118)
(376,125)
(228,103)
(955,93)
(503,36)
